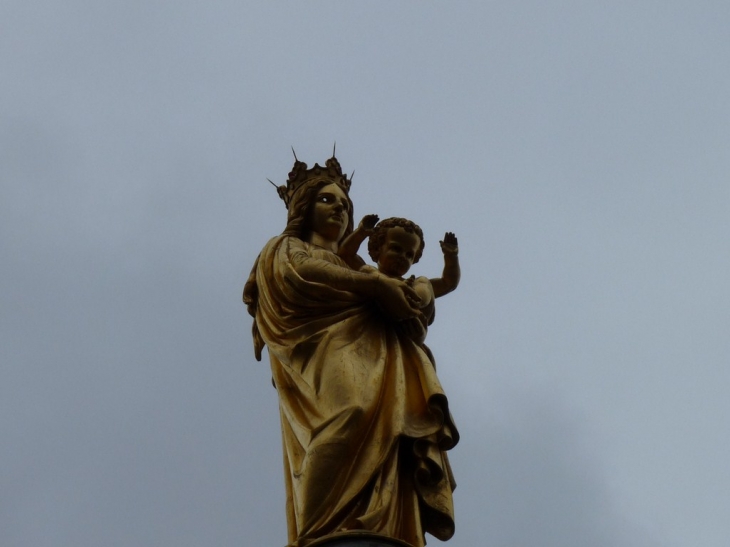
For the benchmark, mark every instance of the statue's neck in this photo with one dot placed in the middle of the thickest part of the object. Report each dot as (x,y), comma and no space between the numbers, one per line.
(319,241)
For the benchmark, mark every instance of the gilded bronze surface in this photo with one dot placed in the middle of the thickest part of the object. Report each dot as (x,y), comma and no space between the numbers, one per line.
(357,539)
(365,422)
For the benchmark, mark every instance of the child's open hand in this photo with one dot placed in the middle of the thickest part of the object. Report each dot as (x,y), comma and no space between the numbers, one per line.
(450,245)
(367,223)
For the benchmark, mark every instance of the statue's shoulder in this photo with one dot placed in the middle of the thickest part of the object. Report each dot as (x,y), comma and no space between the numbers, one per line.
(284,241)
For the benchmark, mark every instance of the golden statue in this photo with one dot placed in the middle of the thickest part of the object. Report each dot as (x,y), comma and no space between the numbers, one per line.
(365,422)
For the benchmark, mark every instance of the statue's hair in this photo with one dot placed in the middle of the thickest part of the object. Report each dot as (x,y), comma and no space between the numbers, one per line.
(301,207)
(377,239)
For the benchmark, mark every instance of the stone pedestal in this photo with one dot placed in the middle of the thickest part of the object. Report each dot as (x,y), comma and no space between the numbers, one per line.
(358,539)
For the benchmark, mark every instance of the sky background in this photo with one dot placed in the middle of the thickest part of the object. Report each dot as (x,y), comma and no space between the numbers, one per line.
(579,150)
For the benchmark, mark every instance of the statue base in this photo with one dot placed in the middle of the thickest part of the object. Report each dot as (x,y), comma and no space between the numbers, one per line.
(358,539)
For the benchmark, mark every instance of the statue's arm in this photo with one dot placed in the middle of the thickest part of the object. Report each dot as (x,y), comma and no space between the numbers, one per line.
(395,297)
(349,247)
(337,277)
(451,275)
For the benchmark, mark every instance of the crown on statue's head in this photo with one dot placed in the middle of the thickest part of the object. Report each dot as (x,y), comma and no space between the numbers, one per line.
(300,175)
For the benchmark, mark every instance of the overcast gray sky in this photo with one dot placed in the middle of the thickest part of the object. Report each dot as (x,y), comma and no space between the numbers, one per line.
(578,149)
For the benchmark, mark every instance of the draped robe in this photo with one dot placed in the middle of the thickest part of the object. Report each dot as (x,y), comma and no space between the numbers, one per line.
(365,422)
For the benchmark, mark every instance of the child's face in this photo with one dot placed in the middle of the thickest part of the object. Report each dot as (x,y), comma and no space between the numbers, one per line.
(398,251)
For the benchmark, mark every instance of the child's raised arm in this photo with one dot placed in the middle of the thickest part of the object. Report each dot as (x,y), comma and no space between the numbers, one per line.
(349,247)
(449,279)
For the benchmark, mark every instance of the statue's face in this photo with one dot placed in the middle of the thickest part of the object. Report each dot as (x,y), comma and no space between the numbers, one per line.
(331,213)
(398,251)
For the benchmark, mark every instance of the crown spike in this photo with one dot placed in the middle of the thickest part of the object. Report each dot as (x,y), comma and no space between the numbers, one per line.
(334,147)
(295,154)
(352,175)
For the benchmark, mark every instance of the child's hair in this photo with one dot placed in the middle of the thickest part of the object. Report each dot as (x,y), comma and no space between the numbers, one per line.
(377,239)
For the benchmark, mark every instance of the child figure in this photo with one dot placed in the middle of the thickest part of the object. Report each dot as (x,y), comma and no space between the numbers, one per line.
(395,245)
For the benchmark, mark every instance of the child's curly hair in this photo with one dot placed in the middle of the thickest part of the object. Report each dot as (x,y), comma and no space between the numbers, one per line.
(377,239)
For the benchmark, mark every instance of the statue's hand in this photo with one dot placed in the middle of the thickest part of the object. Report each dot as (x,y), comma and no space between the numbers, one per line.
(397,299)
(450,245)
(367,224)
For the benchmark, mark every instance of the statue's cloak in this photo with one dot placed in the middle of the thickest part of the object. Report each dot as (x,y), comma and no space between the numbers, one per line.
(365,422)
